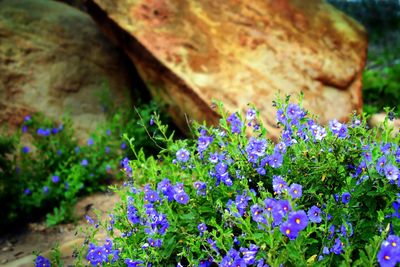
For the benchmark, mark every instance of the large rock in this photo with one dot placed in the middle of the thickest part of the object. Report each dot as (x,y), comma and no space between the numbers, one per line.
(55,60)
(240,52)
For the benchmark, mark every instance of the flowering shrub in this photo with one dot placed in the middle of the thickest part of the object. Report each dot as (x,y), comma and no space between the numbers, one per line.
(53,170)
(320,196)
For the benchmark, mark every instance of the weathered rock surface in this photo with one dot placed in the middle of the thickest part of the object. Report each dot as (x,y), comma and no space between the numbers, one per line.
(240,52)
(54,59)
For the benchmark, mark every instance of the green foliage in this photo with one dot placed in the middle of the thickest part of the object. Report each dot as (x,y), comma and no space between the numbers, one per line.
(49,173)
(253,195)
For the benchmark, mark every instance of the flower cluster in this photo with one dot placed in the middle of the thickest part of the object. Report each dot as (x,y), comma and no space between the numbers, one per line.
(99,255)
(323,195)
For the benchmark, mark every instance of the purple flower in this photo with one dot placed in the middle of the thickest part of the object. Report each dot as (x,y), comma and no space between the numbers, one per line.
(391,172)
(278,184)
(346,197)
(203,142)
(284,206)
(289,230)
(249,254)
(314,214)
(202,227)
(236,124)
(123,146)
(107,149)
(182,155)
(250,114)
(257,213)
(27,191)
(338,128)
(24,128)
(132,263)
(154,242)
(380,165)
(201,188)
(295,190)
(55,179)
(318,132)
(43,132)
(45,189)
(151,196)
(275,160)
(338,246)
(181,197)
(41,261)
(27,118)
(387,256)
(108,132)
(294,112)
(151,122)
(84,162)
(25,150)
(298,219)
(213,158)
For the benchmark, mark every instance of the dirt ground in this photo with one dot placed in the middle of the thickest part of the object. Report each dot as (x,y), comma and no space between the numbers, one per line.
(16,248)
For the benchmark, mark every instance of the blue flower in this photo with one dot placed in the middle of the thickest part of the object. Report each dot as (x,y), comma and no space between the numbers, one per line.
(275,160)
(45,189)
(55,179)
(289,230)
(181,197)
(391,172)
(202,227)
(25,150)
(249,254)
(338,246)
(182,155)
(236,124)
(90,142)
(387,256)
(380,165)
(84,162)
(294,112)
(250,114)
(314,214)
(257,213)
(41,261)
(132,263)
(27,191)
(338,129)
(43,132)
(346,197)
(298,219)
(200,187)
(203,142)
(278,184)
(295,190)
(154,242)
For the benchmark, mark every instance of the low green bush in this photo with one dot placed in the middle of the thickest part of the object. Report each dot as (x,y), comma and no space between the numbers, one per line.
(322,196)
(49,173)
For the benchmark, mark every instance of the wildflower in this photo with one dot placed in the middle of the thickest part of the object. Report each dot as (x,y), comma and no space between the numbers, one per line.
(43,132)
(90,142)
(41,261)
(27,118)
(346,197)
(151,122)
(289,230)
(249,254)
(385,148)
(202,227)
(278,184)
(236,124)
(298,219)
(338,246)
(250,114)
(151,196)
(284,206)
(107,149)
(318,132)
(131,213)
(391,172)
(295,190)
(380,165)
(27,191)
(275,160)
(213,157)
(201,188)
(294,112)
(182,155)
(45,189)
(123,146)
(203,142)
(387,256)
(24,128)
(181,197)
(55,179)
(25,150)
(154,242)
(132,263)
(84,162)
(314,214)
(257,213)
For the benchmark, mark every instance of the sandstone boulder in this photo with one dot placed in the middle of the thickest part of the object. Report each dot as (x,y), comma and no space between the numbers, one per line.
(54,59)
(240,52)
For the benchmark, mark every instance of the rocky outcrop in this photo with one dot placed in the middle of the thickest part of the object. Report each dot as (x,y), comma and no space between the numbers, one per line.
(54,59)
(240,52)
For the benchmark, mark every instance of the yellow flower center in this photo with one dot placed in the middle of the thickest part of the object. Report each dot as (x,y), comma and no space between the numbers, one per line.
(298,221)
(386,257)
(287,231)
